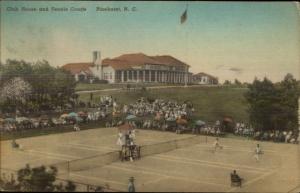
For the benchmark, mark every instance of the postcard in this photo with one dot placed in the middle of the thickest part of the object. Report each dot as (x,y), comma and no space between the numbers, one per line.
(149,96)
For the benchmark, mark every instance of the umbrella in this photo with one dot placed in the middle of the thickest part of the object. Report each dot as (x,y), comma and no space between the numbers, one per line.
(11,120)
(44,117)
(116,114)
(82,114)
(181,121)
(125,127)
(64,115)
(129,117)
(21,119)
(171,119)
(73,114)
(78,119)
(228,119)
(200,123)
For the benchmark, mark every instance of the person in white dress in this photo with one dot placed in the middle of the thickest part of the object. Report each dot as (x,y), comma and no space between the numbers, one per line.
(119,140)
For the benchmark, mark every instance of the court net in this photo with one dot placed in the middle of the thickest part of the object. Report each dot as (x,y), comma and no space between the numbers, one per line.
(101,160)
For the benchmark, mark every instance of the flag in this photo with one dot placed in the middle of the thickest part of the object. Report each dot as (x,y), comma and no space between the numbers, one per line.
(183,17)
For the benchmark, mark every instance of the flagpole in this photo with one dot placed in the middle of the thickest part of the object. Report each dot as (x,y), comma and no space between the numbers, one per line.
(186,38)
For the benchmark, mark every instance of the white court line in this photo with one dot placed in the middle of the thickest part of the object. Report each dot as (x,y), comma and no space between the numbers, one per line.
(152,181)
(98,179)
(216,163)
(253,180)
(237,149)
(97,148)
(155,171)
(158,173)
(28,152)
(21,162)
(206,163)
(60,156)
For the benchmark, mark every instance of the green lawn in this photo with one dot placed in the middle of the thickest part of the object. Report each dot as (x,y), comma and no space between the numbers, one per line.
(86,86)
(211,103)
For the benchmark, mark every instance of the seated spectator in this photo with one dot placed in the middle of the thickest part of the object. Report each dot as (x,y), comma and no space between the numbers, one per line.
(235,179)
(14,144)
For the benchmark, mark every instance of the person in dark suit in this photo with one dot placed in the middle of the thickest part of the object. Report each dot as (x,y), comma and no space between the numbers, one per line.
(236,179)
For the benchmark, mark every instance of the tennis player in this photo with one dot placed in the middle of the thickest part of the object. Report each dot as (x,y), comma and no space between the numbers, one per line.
(217,145)
(257,152)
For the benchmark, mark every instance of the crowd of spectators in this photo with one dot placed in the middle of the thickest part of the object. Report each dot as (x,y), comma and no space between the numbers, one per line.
(158,114)
(9,123)
(286,136)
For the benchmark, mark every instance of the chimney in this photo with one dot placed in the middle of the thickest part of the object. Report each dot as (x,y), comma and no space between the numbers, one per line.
(97,59)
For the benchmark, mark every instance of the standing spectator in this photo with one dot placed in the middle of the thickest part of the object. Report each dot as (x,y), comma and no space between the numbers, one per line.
(76,127)
(131,187)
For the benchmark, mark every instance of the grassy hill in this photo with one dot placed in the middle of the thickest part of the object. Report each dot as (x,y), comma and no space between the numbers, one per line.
(211,103)
(87,86)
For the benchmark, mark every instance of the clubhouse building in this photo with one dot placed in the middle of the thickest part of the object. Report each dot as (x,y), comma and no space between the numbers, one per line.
(132,68)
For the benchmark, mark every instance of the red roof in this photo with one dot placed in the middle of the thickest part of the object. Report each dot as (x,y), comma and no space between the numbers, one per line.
(75,68)
(127,61)
(169,60)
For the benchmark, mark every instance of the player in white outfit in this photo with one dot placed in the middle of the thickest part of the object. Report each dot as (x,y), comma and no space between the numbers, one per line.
(257,152)
(217,145)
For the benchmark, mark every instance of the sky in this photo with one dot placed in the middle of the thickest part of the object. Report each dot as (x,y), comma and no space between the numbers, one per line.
(229,40)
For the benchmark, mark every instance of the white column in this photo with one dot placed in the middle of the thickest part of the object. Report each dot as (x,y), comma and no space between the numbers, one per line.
(138,76)
(144,76)
(122,76)
(168,77)
(179,77)
(173,76)
(159,76)
(155,78)
(150,75)
(131,75)
(127,76)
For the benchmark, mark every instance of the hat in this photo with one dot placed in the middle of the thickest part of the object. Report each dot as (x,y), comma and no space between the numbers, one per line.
(131,179)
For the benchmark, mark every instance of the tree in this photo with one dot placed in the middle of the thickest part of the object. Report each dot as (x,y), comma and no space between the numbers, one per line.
(15,68)
(237,82)
(51,87)
(273,106)
(227,82)
(16,91)
(261,97)
(289,93)
(38,179)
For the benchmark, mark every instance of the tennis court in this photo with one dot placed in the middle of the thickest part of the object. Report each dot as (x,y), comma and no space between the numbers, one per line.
(169,162)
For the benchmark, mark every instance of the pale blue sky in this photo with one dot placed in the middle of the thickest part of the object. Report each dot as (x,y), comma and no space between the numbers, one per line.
(229,40)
